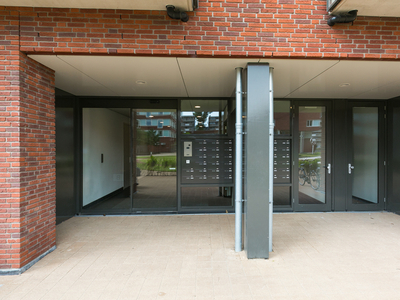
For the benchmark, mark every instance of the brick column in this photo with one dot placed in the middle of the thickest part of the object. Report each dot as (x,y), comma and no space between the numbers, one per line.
(27,154)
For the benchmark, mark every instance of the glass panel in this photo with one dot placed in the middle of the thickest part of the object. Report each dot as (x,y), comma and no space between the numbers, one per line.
(106,152)
(203,116)
(282,117)
(282,195)
(154,149)
(365,155)
(206,196)
(311,154)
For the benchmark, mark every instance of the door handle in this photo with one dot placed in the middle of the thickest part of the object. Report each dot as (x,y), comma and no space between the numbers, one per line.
(328,168)
(350,168)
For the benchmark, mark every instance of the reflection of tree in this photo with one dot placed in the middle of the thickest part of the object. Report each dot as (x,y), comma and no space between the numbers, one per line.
(201,118)
(141,137)
(152,137)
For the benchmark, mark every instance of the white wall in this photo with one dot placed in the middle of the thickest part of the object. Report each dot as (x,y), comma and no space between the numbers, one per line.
(102,134)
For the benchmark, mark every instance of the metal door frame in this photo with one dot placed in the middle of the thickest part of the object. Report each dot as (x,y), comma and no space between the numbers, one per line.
(327,206)
(381,156)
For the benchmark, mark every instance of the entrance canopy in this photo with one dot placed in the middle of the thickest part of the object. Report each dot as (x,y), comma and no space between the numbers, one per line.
(213,77)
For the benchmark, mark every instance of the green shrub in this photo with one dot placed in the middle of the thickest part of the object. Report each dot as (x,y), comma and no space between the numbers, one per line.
(151,163)
(309,164)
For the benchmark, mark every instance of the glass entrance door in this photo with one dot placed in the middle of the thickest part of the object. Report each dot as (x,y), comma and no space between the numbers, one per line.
(154,169)
(312,157)
(365,157)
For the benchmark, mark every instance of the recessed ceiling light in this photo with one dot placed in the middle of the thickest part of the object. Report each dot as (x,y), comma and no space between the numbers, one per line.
(197,106)
(140,82)
(344,84)
(199,116)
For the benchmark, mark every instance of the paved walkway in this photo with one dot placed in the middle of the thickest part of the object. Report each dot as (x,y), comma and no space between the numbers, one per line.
(316,256)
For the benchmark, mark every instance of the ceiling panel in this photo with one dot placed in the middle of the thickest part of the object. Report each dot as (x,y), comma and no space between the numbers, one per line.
(133,76)
(387,91)
(353,79)
(290,74)
(213,77)
(186,5)
(210,77)
(71,79)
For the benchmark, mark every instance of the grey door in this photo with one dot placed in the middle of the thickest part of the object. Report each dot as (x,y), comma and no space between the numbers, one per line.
(312,156)
(365,156)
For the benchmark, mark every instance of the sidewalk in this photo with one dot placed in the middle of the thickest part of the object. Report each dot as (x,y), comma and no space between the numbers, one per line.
(316,256)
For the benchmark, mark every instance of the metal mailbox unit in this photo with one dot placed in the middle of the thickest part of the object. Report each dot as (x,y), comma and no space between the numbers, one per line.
(208,160)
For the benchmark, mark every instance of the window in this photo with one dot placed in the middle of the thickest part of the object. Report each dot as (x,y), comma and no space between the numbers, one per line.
(313,123)
(160,123)
(282,117)
(204,116)
(148,122)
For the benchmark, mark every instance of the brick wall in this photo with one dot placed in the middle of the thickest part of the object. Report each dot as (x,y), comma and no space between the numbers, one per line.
(27,152)
(239,28)
(36,159)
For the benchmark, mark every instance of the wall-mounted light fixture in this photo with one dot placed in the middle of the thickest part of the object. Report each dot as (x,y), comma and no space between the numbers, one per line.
(177,14)
(343,18)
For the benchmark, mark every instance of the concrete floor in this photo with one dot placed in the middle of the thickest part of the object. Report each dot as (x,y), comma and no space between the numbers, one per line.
(316,256)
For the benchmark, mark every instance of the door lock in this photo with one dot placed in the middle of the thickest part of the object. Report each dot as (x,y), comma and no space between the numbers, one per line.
(350,168)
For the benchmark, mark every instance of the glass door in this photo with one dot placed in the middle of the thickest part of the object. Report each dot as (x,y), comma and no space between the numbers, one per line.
(154,179)
(312,159)
(365,167)
(105,160)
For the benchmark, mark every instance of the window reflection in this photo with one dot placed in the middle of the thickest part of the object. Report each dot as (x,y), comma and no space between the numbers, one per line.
(282,117)
(204,117)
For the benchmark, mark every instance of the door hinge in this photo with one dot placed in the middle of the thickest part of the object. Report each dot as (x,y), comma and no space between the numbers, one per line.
(384,200)
(384,163)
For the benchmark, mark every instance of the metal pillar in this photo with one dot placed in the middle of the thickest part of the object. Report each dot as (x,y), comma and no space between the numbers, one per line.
(271,154)
(238,162)
(257,226)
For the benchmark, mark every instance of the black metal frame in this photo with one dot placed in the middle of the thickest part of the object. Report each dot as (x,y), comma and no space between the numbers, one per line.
(327,206)
(289,207)
(381,157)
(393,172)
(137,103)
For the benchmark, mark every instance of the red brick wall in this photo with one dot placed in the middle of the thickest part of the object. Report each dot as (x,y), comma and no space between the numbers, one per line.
(240,28)
(37,159)
(27,152)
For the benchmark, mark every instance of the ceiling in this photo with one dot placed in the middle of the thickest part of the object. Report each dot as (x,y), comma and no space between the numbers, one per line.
(213,77)
(380,8)
(186,5)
